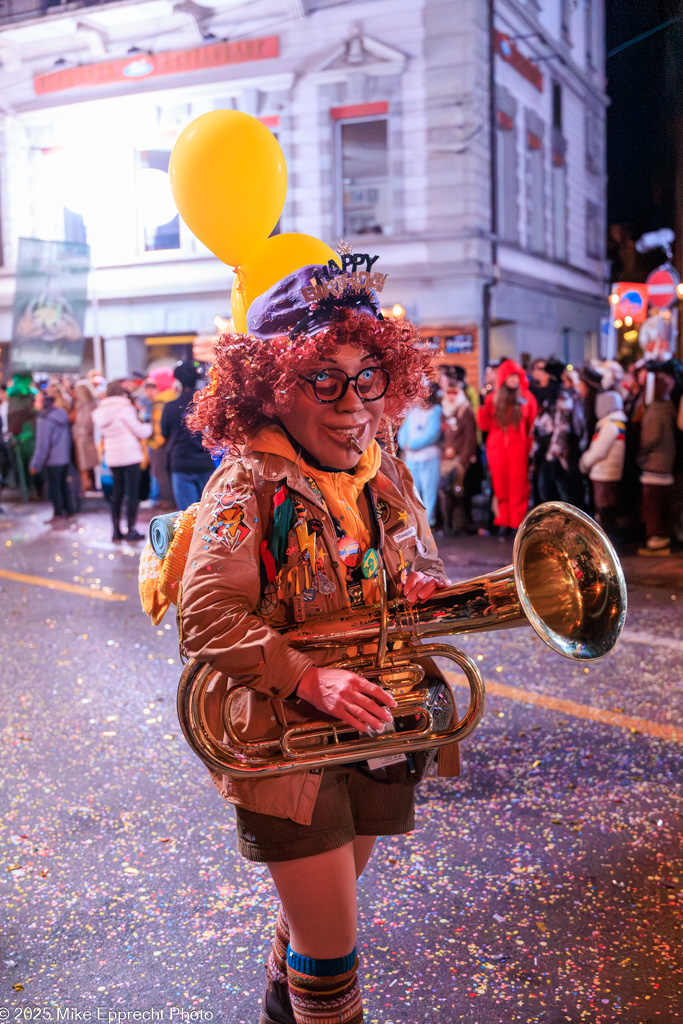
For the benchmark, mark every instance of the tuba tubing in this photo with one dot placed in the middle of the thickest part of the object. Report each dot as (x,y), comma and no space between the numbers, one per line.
(565,581)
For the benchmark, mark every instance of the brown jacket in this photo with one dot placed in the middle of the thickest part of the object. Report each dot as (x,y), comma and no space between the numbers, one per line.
(223,625)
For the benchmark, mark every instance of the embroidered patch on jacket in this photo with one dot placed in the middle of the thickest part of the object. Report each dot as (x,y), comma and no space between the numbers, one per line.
(227,518)
(383,511)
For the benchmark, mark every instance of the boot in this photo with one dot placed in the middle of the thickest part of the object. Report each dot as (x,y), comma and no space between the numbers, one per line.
(276,1007)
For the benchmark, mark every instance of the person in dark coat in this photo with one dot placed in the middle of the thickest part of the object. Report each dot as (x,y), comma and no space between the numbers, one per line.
(52,452)
(656,458)
(190,463)
(460,464)
(507,416)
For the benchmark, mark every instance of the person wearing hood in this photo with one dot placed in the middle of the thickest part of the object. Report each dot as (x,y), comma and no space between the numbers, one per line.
(190,463)
(507,416)
(53,452)
(121,432)
(603,460)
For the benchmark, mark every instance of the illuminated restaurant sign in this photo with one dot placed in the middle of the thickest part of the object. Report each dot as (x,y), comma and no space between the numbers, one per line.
(143,65)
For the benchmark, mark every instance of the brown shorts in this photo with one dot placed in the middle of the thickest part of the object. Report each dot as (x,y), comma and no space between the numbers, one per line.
(350,803)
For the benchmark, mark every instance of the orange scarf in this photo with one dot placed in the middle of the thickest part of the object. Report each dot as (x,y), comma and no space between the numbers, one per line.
(340,490)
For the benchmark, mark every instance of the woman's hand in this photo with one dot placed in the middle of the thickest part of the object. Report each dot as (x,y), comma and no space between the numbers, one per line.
(419,586)
(347,696)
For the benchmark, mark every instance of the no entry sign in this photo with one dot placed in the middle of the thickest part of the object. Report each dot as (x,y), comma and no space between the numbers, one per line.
(661,286)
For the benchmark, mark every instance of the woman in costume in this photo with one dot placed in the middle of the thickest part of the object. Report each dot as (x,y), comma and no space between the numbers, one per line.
(293,525)
(507,416)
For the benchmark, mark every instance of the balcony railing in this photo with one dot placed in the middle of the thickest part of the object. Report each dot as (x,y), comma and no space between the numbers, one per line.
(14,11)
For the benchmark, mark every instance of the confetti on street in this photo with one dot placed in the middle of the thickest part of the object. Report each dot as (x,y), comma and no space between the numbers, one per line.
(544,885)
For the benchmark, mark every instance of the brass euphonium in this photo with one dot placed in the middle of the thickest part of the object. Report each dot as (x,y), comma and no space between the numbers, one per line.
(565,582)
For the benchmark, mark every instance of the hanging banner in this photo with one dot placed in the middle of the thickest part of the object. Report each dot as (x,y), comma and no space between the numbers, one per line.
(49,306)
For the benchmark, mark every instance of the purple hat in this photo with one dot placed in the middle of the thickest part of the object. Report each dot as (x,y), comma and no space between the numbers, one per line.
(307,301)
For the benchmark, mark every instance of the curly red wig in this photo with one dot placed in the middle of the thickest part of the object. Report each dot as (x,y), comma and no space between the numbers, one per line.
(250,375)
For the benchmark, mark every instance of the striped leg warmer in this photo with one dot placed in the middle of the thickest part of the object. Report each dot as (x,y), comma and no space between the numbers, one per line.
(276,965)
(325,991)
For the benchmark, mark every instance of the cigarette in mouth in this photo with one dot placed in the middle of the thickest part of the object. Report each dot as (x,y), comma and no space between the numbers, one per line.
(352,443)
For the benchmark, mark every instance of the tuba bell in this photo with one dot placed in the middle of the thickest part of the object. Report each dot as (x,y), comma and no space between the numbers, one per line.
(565,581)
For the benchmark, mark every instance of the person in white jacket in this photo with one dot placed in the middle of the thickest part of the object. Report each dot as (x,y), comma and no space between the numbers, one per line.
(603,460)
(121,431)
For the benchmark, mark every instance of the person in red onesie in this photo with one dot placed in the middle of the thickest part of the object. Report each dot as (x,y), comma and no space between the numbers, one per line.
(507,416)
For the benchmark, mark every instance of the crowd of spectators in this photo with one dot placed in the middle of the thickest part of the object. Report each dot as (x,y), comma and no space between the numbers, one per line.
(67,437)
(607,438)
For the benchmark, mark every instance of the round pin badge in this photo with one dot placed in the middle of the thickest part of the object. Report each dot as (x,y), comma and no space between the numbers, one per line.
(325,584)
(349,551)
(268,602)
(315,526)
(370,564)
(308,594)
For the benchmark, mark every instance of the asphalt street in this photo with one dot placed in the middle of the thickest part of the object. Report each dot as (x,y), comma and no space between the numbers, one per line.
(545,884)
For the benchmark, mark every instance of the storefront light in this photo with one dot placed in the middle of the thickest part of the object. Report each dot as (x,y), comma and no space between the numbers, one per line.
(630,335)
(618,324)
(679,290)
(628,320)
(614,298)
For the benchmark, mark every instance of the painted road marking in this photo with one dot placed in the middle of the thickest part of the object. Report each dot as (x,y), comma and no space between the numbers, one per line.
(573,708)
(70,588)
(651,640)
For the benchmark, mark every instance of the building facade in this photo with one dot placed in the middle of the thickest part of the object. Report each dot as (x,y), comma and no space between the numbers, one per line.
(462,141)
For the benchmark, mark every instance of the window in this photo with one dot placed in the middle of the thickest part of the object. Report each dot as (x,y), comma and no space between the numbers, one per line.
(593,142)
(557,106)
(559,178)
(535,185)
(588,33)
(559,194)
(566,7)
(366,196)
(506,168)
(594,237)
(158,220)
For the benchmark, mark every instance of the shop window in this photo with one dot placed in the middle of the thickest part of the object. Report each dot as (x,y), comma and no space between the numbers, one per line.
(158,220)
(535,192)
(594,234)
(506,174)
(364,169)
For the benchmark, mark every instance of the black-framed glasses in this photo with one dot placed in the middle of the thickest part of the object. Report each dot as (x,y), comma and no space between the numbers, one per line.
(331,385)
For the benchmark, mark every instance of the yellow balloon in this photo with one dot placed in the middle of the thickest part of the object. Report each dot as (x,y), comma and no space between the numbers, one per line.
(229,180)
(239,309)
(277,257)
